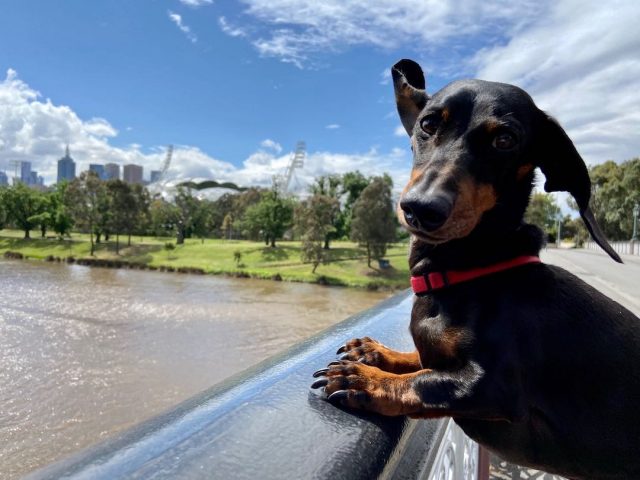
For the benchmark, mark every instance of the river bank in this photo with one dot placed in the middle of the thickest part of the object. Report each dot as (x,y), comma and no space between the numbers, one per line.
(235,258)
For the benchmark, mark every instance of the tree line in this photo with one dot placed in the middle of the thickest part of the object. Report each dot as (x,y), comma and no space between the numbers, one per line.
(350,206)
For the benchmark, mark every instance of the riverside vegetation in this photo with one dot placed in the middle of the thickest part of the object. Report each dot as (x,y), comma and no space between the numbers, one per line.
(334,236)
(346,265)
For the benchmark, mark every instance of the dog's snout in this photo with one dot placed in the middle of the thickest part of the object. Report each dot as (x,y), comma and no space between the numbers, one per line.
(427,214)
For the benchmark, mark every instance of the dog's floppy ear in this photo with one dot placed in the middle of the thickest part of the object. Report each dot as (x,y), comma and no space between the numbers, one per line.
(411,97)
(565,171)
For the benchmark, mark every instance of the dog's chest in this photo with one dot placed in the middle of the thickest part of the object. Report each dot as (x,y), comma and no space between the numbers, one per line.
(440,334)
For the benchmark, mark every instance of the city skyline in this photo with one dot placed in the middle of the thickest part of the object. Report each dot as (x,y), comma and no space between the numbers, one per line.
(132,173)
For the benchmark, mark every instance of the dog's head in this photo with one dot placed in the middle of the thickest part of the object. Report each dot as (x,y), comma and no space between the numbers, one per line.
(475,147)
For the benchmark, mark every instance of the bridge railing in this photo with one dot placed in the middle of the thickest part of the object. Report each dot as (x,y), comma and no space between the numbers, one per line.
(268,423)
(622,247)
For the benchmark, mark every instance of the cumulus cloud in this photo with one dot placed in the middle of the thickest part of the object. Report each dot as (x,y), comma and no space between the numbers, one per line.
(271,145)
(580,63)
(37,130)
(177,19)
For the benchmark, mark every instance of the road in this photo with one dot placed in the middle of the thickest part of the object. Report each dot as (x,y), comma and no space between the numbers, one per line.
(619,282)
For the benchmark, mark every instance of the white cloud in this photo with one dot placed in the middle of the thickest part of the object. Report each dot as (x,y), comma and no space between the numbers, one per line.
(37,130)
(229,29)
(400,131)
(332,126)
(196,3)
(580,63)
(271,145)
(296,30)
(177,19)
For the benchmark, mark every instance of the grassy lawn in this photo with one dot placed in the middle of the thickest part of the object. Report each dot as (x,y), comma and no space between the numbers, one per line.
(348,265)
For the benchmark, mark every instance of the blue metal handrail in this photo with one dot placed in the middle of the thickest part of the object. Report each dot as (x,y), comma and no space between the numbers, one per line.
(267,423)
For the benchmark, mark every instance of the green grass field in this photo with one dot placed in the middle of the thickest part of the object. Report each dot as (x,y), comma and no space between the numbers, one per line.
(348,266)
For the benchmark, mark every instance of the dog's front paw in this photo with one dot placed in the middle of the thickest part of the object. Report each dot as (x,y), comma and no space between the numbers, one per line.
(371,352)
(356,385)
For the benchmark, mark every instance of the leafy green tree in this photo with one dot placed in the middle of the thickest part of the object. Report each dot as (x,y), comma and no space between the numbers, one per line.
(331,186)
(269,218)
(140,217)
(373,225)
(313,221)
(82,198)
(23,206)
(616,189)
(187,210)
(123,208)
(227,226)
(203,220)
(3,208)
(60,220)
(543,211)
(164,217)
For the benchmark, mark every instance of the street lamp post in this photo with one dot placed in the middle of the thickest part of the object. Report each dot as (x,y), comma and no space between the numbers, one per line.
(634,236)
(636,212)
(559,238)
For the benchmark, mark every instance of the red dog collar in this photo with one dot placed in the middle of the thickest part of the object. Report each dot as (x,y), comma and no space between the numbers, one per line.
(438,280)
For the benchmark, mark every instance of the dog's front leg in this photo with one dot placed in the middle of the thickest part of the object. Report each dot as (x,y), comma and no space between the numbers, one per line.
(425,393)
(371,352)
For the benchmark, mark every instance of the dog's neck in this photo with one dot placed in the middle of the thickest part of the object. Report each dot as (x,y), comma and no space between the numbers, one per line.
(483,247)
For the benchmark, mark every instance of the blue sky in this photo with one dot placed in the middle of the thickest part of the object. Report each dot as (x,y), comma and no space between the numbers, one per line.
(234,84)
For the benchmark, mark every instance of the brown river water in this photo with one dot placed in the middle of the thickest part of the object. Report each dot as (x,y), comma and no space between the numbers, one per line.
(87,352)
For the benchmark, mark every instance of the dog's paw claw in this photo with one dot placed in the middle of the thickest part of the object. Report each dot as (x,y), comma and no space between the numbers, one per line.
(320,383)
(342,349)
(320,372)
(338,396)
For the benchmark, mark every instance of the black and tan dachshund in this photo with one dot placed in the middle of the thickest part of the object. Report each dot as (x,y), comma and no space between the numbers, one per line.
(530,361)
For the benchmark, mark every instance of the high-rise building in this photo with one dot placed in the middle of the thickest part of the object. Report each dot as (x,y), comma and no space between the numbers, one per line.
(25,172)
(98,169)
(4,180)
(66,167)
(33,178)
(112,171)
(155,176)
(132,173)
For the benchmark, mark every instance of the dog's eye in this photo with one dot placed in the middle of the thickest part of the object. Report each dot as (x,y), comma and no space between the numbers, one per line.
(504,141)
(429,125)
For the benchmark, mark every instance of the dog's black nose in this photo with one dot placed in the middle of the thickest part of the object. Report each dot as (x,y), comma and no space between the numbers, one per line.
(427,214)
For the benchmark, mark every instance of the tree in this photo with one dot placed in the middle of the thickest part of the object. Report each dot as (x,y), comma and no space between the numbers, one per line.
(269,218)
(227,226)
(140,217)
(83,197)
(60,220)
(24,206)
(373,224)
(313,221)
(330,187)
(3,208)
(164,217)
(543,211)
(123,208)
(187,210)
(616,189)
